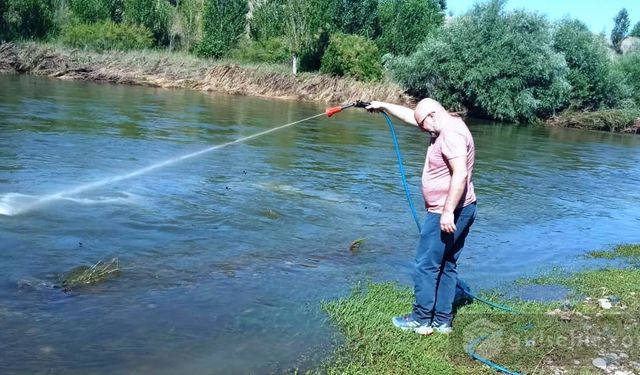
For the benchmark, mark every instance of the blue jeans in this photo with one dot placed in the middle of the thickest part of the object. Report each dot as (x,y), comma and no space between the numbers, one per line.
(435,272)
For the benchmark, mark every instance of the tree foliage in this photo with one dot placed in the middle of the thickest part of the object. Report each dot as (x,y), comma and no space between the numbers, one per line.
(620,29)
(358,17)
(267,20)
(189,16)
(629,67)
(495,63)
(89,11)
(224,22)
(593,84)
(353,56)
(154,15)
(29,18)
(636,30)
(406,23)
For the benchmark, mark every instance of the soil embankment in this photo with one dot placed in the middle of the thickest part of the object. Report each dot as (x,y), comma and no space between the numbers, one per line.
(176,70)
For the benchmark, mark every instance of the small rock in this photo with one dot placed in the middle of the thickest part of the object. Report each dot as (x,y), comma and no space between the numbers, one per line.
(576,362)
(599,363)
(620,373)
(611,357)
(623,356)
(605,303)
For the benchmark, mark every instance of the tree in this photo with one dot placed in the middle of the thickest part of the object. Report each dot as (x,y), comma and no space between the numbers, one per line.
(620,29)
(29,18)
(3,26)
(297,29)
(358,17)
(590,70)
(190,16)
(496,64)
(267,20)
(406,23)
(152,14)
(636,30)
(224,23)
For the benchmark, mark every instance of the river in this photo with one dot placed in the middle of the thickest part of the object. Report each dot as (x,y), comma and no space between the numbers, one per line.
(226,256)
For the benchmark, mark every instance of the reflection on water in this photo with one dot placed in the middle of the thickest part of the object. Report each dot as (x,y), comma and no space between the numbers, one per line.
(227,256)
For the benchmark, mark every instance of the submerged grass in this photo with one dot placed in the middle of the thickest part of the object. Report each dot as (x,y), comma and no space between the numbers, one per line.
(89,275)
(561,337)
(619,251)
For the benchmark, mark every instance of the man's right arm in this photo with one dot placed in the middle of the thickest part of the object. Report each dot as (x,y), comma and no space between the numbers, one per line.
(401,112)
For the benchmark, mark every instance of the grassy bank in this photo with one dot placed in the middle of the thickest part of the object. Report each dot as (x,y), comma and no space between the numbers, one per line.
(613,120)
(597,326)
(161,68)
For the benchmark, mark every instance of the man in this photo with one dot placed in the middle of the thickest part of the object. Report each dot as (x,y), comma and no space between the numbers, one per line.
(450,200)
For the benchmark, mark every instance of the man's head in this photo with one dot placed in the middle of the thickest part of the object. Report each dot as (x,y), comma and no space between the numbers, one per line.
(429,114)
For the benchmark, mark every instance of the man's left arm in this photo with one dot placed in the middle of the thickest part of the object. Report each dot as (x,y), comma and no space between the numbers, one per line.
(457,187)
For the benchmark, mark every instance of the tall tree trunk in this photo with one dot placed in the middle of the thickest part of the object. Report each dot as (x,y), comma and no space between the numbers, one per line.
(294,64)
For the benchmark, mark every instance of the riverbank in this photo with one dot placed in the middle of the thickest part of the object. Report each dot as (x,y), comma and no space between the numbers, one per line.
(595,330)
(159,68)
(179,70)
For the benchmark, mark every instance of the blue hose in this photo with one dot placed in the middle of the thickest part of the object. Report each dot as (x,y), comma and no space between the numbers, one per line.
(403,174)
(478,340)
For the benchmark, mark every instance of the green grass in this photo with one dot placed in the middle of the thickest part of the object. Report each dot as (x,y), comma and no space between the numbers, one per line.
(537,339)
(620,251)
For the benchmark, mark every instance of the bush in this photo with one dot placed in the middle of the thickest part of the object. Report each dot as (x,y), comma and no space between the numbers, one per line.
(107,35)
(223,22)
(354,56)
(154,15)
(496,64)
(590,70)
(272,51)
(407,23)
(29,18)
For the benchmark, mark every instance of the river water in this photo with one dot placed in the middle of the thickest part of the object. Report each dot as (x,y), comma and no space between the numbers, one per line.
(227,256)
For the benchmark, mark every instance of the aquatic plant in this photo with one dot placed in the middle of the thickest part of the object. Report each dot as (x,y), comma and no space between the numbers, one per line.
(88,275)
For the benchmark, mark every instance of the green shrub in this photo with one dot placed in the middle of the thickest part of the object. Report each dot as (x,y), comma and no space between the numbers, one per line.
(496,64)
(29,18)
(107,35)
(406,23)
(273,51)
(593,84)
(154,15)
(223,24)
(354,56)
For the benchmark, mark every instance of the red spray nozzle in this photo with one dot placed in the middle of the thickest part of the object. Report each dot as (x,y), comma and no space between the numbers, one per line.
(332,110)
